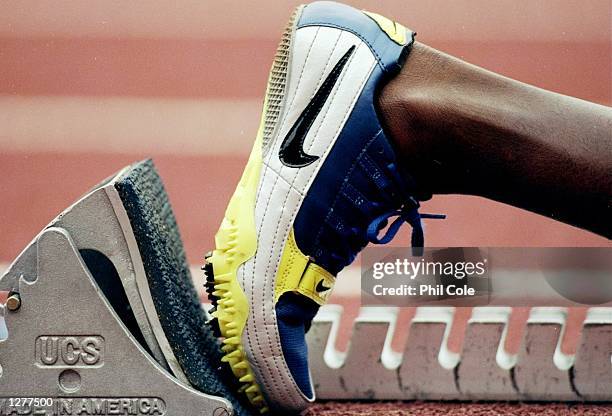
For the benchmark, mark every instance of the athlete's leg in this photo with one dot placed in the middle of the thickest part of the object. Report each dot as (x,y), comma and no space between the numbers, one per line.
(461,129)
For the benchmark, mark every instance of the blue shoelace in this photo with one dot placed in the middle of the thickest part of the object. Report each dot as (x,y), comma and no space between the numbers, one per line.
(407,213)
(395,191)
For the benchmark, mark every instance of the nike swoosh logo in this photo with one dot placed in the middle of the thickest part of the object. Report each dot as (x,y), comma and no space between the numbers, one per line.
(291,150)
(321,287)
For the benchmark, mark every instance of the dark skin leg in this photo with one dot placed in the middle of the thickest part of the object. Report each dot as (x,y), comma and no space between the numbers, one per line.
(461,129)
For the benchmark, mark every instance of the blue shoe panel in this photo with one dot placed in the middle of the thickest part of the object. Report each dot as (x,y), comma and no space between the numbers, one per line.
(360,153)
(294,314)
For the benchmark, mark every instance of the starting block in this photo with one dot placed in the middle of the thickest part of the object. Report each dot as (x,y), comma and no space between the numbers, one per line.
(427,370)
(102,317)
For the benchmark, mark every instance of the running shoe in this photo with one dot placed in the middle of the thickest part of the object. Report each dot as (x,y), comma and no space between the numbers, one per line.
(321,182)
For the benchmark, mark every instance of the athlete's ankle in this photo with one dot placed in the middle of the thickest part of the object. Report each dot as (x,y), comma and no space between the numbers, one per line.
(412,110)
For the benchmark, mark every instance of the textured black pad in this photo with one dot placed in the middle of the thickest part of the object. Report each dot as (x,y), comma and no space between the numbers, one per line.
(175,298)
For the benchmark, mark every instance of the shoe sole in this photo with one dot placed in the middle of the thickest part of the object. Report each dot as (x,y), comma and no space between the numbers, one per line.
(236,240)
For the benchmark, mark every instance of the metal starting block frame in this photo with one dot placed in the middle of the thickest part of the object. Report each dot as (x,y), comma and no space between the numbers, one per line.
(427,370)
(63,343)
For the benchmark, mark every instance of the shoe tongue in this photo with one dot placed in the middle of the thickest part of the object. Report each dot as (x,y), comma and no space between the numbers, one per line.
(294,314)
